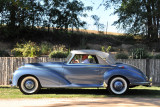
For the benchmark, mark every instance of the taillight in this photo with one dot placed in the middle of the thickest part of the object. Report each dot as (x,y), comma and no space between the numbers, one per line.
(121,67)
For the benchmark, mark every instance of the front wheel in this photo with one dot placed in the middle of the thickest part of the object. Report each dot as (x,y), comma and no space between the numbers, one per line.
(118,86)
(29,85)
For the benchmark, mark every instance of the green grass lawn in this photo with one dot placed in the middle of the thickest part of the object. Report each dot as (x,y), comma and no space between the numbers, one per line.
(11,93)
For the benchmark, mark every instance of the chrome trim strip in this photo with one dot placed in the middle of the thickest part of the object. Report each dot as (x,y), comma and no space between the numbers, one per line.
(88,67)
(42,67)
(63,66)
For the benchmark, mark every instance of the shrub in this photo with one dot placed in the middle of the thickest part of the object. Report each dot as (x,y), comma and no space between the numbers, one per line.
(58,54)
(103,49)
(45,48)
(139,53)
(4,53)
(157,56)
(60,48)
(16,53)
(121,56)
(29,49)
(59,51)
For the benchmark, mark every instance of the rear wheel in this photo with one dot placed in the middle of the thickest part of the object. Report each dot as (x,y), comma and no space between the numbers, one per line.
(118,86)
(29,85)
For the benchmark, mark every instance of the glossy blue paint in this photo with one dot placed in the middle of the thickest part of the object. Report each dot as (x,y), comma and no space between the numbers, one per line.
(132,74)
(49,74)
(64,74)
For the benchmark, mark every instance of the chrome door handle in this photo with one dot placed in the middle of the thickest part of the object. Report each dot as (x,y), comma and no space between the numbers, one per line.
(96,70)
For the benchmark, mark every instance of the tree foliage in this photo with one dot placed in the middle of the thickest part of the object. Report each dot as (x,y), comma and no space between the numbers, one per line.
(96,22)
(47,13)
(138,16)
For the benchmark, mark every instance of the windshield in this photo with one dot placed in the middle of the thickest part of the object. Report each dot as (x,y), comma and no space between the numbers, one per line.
(68,57)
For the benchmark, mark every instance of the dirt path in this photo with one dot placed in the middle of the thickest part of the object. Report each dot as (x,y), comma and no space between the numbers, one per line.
(81,102)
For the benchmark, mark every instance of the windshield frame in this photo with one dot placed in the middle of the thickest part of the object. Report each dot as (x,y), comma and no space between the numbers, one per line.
(68,58)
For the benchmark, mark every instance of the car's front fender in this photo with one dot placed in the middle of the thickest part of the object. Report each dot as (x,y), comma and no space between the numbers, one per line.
(46,78)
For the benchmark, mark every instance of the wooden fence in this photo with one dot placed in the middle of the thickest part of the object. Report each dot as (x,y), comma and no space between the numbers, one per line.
(150,67)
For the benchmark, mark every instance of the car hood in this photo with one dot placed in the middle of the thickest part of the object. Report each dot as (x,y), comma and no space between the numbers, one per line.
(45,64)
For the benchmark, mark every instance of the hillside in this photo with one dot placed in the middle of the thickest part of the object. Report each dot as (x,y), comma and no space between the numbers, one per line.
(100,32)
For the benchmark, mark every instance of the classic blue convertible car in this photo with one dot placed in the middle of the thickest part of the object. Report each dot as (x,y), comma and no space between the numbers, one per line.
(82,68)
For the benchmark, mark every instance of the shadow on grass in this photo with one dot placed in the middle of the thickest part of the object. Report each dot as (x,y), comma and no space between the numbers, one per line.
(5,87)
(102,92)
(130,93)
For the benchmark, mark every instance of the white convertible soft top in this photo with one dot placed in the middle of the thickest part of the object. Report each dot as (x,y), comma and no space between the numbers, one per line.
(93,52)
(101,54)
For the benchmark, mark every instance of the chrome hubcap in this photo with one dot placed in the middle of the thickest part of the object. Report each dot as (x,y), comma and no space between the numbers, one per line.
(118,85)
(29,84)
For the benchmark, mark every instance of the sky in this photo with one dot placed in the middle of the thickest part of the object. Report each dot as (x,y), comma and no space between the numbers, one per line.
(104,15)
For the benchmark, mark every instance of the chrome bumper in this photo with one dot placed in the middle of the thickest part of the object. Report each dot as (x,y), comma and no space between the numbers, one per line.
(11,83)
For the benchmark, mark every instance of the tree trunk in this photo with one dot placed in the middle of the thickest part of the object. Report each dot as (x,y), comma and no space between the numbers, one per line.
(13,15)
(32,14)
(158,16)
(48,28)
(23,18)
(154,14)
(149,19)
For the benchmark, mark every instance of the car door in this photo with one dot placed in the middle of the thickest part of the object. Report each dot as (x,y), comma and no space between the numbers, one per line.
(83,73)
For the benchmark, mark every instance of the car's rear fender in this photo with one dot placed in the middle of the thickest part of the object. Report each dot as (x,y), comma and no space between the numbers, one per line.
(130,76)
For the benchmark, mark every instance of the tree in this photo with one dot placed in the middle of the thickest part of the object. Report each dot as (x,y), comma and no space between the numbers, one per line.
(138,16)
(65,13)
(2,12)
(96,19)
(17,16)
(57,13)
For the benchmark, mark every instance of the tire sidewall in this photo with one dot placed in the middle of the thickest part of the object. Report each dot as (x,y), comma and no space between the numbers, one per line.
(113,91)
(32,91)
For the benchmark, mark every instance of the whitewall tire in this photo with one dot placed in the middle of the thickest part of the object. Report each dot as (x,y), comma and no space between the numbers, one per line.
(29,85)
(118,86)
